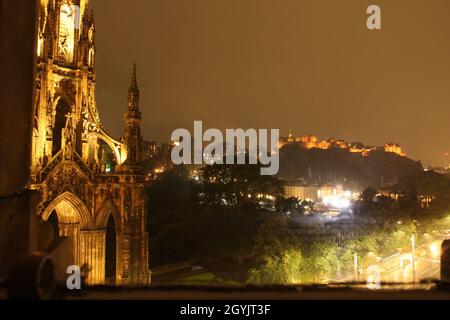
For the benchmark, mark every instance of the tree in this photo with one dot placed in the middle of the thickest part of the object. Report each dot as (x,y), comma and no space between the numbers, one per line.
(273,237)
(368,196)
(239,186)
(177,214)
(283,268)
(276,248)
(321,261)
(168,198)
(289,205)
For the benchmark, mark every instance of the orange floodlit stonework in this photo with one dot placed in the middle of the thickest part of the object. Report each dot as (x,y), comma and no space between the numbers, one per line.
(312,142)
(92,185)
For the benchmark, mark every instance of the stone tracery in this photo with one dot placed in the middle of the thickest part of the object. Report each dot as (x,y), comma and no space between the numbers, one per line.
(70,172)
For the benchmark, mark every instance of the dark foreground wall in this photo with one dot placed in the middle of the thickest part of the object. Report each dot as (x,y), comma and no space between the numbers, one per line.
(17,60)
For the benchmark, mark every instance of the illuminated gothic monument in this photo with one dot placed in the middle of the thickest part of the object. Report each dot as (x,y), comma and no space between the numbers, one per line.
(91,184)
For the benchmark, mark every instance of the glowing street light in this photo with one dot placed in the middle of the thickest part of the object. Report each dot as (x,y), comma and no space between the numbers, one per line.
(435,250)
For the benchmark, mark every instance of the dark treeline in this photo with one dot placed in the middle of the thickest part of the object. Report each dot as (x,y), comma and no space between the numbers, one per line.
(215,217)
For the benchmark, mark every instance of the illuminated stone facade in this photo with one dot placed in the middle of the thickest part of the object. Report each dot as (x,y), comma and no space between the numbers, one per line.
(92,185)
(312,142)
(394,148)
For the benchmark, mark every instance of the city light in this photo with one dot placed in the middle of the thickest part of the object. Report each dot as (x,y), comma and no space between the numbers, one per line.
(435,250)
(159,170)
(336,202)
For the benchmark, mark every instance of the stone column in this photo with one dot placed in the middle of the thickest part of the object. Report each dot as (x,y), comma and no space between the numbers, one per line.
(72,232)
(138,251)
(92,249)
(123,258)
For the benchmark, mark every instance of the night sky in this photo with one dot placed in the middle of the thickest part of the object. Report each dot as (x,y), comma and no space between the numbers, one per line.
(310,66)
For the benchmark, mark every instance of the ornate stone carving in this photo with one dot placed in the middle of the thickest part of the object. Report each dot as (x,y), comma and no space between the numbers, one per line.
(70,180)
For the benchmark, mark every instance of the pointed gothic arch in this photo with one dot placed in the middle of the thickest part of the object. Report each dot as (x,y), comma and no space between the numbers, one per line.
(69,209)
(108,220)
(71,217)
(107,209)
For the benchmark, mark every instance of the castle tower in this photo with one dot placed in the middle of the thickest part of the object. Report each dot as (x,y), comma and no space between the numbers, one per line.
(91,196)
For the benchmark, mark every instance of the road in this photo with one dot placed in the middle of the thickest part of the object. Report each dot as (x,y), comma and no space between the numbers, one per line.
(398,268)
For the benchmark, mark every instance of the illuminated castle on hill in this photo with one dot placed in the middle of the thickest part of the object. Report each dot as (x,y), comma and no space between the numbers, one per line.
(312,142)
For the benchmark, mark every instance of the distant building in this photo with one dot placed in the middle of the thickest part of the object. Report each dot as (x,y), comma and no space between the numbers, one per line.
(394,148)
(303,192)
(156,158)
(312,142)
(313,192)
(330,190)
(150,150)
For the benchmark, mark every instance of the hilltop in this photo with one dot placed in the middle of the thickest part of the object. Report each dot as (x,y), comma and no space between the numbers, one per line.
(357,170)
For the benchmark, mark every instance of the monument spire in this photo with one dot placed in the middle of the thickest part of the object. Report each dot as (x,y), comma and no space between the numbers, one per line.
(133,137)
(133,92)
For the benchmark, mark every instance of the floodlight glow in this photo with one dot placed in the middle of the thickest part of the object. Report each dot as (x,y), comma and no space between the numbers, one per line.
(336,202)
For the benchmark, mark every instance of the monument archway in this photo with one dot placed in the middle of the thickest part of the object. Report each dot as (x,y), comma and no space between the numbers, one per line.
(108,221)
(86,245)
(71,217)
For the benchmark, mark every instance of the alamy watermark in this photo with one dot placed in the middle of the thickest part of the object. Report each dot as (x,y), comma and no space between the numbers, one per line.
(374,20)
(236,146)
(74,279)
